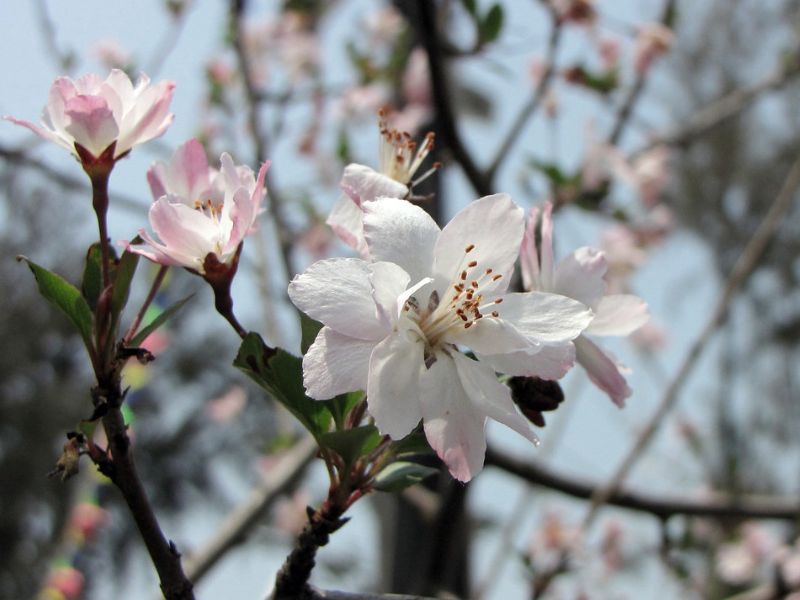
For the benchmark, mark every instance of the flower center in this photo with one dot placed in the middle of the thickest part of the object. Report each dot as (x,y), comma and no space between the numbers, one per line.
(398,154)
(464,305)
(209,207)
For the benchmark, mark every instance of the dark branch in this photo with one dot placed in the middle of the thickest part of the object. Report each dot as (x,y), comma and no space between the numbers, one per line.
(720,507)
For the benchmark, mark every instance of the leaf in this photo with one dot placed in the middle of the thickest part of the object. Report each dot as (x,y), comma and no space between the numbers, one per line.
(415,443)
(400,475)
(352,444)
(158,321)
(309,328)
(470,6)
(65,296)
(341,406)
(281,374)
(126,268)
(491,24)
(92,281)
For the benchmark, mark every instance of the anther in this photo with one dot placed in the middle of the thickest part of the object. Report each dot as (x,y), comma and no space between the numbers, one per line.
(495,313)
(496,277)
(472,263)
(463,275)
(469,248)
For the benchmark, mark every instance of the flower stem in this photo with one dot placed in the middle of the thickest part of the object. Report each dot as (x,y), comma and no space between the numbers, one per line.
(159,279)
(100,205)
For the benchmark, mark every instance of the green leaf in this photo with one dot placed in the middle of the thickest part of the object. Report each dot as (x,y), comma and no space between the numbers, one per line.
(470,6)
(352,444)
(158,321)
(123,275)
(281,374)
(309,328)
(66,297)
(341,406)
(491,24)
(92,281)
(400,475)
(415,443)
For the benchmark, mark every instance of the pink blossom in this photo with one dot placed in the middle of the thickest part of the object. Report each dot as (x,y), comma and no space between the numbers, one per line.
(653,40)
(200,212)
(580,276)
(112,55)
(646,173)
(95,113)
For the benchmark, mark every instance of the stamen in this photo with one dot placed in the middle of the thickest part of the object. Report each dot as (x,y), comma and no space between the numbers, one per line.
(469,248)
(473,263)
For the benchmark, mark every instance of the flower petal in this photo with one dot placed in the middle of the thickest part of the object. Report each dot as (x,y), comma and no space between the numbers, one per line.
(400,232)
(388,282)
(494,226)
(546,261)
(548,318)
(491,336)
(346,220)
(491,397)
(529,255)
(453,426)
(548,362)
(580,276)
(602,370)
(363,184)
(393,393)
(338,293)
(336,364)
(618,314)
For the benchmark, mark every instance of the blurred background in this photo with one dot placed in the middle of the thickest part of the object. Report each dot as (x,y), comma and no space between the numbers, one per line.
(663,131)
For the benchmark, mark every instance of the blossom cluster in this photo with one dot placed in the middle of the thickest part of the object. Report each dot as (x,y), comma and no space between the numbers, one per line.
(426,317)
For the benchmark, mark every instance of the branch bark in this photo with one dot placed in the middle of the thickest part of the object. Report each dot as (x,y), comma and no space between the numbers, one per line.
(718,506)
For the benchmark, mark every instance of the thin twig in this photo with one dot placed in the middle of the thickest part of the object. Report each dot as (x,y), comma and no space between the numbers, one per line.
(239,523)
(718,506)
(535,101)
(64,180)
(156,285)
(253,100)
(170,40)
(744,267)
(626,109)
(720,110)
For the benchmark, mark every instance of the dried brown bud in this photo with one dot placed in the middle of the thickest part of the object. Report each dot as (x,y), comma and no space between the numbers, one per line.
(534,396)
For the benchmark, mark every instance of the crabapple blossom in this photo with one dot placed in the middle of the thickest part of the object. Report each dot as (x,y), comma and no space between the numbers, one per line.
(200,212)
(394,327)
(399,160)
(90,114)
(580,276)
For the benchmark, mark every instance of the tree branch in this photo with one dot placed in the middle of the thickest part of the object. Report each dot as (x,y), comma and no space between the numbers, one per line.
(426,24)
(626,110)
(535,101)
(719,111)
(719,506)
(744,267)
(239,523)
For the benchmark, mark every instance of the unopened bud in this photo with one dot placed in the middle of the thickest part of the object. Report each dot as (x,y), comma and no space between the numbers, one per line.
(534,395)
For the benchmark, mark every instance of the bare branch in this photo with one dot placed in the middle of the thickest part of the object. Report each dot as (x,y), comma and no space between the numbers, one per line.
(718,506)
(426,24)
(626,110)
(744,267)
(719,111)
(535,101)
(240,522)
